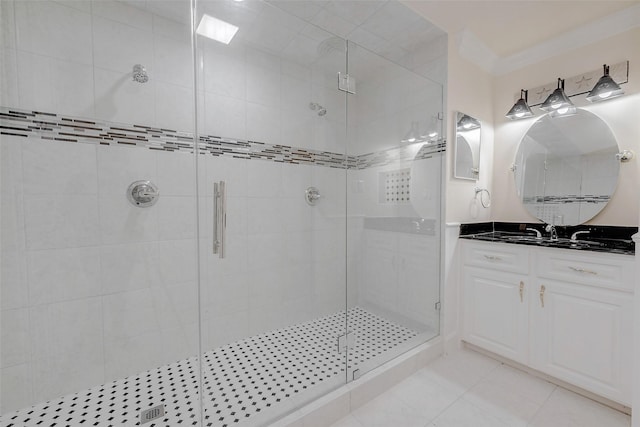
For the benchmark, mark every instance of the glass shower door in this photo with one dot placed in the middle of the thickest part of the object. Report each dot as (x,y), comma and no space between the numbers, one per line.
(272,246)
(98,286)
(394,209)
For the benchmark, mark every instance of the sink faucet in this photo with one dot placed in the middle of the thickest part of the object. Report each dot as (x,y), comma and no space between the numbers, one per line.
(577,233)
(538,233)
(553,236)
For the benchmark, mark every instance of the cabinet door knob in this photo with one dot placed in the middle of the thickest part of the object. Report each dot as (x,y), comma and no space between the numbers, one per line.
(542,289)
(521,291)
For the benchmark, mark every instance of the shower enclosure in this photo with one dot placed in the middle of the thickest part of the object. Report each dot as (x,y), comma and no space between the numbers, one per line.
(208,232)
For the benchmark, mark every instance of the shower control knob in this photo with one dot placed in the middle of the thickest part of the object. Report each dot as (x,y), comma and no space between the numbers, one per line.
(312,195)
(143,194)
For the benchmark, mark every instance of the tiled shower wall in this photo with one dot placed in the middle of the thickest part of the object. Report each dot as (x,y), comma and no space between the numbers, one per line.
(95,289)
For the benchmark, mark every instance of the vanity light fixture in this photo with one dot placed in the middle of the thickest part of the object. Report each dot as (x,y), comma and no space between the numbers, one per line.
(467,123)
(606,88)
(558,102)
(520,109)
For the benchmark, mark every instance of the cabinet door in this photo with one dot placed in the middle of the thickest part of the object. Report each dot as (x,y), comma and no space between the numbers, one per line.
(496,312)
(582,335)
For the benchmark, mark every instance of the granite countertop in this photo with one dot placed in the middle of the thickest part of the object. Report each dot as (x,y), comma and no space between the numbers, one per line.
(610,239)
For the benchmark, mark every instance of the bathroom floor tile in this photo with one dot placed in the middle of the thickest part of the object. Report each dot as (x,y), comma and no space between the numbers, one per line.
(577,411)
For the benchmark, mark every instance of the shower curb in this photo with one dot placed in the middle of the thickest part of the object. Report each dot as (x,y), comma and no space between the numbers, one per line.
(339,403)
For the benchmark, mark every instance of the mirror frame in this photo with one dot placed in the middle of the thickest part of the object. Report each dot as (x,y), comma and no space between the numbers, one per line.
(460,136)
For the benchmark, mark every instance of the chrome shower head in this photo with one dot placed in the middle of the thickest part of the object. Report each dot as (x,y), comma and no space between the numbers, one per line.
(140,74)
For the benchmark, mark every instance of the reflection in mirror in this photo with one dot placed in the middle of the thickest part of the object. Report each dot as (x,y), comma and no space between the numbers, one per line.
(566,168)
(467,147)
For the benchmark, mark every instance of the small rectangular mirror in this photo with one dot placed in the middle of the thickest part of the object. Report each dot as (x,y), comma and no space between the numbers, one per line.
(466,163)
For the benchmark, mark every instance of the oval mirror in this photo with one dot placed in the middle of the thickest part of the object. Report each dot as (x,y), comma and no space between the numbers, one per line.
(566,168)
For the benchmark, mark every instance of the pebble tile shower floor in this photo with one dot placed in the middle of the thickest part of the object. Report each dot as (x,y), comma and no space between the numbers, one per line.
(241,379)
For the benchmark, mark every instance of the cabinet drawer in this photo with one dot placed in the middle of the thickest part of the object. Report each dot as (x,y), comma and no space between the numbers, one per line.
(497,256)
(593,269)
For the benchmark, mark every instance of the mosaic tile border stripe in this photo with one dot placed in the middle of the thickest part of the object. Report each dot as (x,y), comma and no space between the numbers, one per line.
(556,200)
(54,127)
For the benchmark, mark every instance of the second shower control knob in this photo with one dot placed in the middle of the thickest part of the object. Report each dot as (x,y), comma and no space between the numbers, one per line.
(312,195)
(143,194)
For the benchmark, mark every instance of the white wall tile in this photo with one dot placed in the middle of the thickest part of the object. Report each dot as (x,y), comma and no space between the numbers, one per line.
(52,29)
(52,167)
(13,276)
(120,12)
(176,217)
(120,99)
(224,116)
(264,215)
(121,222)
(130,314)
(54,85)
(263,124)
(119,167)
(264,86)
(234,172)
(69,328)
(15,388)
(57,376)
(224,72)
(176,174)
(266,250)
(171,28)
(264,179)
(128,267)
(177,261)
(173,63)
(61,221)
(126,356)
(15,348)
(63,274)
(296,214)
(179,305)
(7,25)
(9,78)
(297,126)
(174,107)
(118,47)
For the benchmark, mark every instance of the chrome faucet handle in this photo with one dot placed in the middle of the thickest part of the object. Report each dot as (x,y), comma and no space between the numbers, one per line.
(550,228)
(577,233)
(538,233)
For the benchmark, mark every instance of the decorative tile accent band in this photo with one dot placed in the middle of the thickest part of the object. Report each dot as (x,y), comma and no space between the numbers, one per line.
(566,199)
(55,127)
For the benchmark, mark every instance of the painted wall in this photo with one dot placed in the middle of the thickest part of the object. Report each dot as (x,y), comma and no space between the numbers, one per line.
(620,114)
(469,90)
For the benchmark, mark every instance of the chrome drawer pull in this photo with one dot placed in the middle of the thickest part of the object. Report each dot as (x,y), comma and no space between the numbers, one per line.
(582,270)
(542,289)
(521,291)
(493,258)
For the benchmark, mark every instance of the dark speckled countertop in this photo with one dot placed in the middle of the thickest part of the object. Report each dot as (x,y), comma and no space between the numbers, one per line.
(601,238)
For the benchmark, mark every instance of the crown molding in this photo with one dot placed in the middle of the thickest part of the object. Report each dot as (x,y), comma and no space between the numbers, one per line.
(475,50)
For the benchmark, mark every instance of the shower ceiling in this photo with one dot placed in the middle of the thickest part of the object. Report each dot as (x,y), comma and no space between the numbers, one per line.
(387,28)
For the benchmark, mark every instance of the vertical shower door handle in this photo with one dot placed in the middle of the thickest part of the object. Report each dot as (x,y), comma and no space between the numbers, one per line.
(219,217)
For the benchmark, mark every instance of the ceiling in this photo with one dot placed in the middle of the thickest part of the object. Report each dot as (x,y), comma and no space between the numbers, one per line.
(511,26)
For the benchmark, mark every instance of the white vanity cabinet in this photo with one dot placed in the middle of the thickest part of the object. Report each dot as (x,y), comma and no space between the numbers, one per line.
(495,298)
(573,319)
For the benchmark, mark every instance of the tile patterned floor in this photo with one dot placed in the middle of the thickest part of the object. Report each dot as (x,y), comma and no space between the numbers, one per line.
(241,379)
(467,389)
